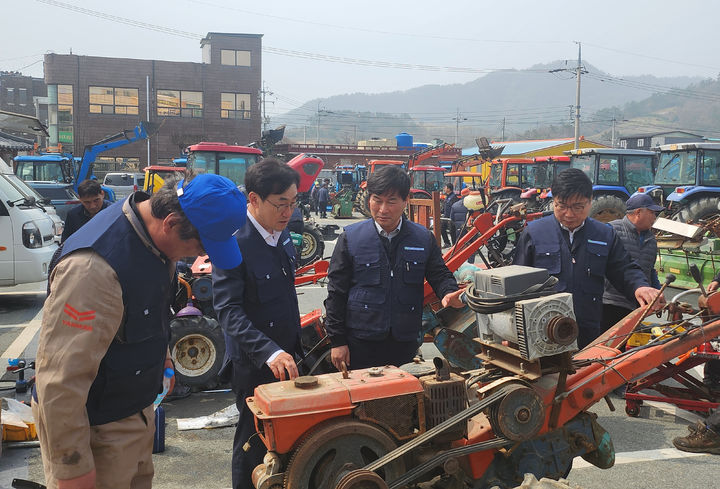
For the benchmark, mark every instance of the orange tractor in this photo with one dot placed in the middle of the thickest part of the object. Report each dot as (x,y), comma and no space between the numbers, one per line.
(425,178)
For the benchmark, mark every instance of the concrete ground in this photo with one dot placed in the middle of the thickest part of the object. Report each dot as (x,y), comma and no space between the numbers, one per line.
(201,458)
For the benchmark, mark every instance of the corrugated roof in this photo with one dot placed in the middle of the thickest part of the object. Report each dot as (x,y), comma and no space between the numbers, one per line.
(521,147)
(8,141)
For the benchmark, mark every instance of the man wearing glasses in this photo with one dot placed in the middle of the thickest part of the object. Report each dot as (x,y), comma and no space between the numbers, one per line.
(581,252)
(256,303)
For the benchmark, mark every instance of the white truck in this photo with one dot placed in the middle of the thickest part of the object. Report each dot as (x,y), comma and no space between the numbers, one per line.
(29,231)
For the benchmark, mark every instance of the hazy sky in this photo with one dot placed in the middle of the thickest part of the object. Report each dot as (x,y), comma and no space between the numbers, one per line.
(457,41)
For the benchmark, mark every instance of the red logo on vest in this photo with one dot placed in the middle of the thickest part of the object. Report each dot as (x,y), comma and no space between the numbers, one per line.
(78,318)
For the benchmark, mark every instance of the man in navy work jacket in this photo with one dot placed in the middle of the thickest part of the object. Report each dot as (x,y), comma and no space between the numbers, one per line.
(92,201)
(376,276)
(256,303)
(581,252)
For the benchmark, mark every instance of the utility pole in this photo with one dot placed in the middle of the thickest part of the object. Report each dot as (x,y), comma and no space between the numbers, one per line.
(578,74)
(579,70)
(266,119)
(503,130)
(457,123)
(317,127)
(612,133)
(304,134)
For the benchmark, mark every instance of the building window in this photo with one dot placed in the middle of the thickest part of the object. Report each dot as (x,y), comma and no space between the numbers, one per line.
(640,142)
(179,103)
(10,96)
(22,96)
(232,57)
(110,100)
(60,115)
(235,105)
(623,143)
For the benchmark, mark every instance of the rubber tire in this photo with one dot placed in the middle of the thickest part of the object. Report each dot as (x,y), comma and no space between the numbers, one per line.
(206,330)
(700,209)
(313,245)
(361,202)
(606,208)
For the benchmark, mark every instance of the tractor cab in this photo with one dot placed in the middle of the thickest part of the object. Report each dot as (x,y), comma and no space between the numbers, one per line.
(155,176)
(616,174)
(510,176)
(542,174)
(223,159)
(424,180)
(687,181)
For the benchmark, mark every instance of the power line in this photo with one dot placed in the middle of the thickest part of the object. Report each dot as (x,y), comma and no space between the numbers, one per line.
(286,52)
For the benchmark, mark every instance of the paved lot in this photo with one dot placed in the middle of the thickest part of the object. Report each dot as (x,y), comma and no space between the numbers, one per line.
(201,458)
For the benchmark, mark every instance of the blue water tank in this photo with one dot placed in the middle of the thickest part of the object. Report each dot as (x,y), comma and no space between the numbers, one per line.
(404,140)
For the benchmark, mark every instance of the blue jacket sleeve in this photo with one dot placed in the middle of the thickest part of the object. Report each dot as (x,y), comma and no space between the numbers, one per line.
(228,299)
(339,279)
(438,275)
(524,251)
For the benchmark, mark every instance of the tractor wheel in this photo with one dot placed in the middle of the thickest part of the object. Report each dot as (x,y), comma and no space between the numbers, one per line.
(704,208)
(606,208)
(361,202)
(336,447)
(313,245)
(197,347)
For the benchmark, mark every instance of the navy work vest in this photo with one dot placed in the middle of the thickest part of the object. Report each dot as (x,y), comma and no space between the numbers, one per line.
(131,372)
(270,300)
(585,278)
(386,297)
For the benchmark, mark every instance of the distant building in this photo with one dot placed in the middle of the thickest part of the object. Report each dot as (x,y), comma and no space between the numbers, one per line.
(537,147)
(216,100)
(23,95)
(653,140)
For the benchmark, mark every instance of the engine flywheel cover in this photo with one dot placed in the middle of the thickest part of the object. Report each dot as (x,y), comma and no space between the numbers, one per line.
(518,416)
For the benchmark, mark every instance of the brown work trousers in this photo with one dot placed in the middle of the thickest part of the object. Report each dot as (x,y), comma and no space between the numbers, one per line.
(122,451)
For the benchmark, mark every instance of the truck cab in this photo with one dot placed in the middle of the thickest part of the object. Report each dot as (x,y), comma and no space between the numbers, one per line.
(28,232)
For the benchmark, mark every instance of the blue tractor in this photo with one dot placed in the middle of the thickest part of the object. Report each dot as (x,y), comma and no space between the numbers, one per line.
(616,174)
(687,181)
(56,176)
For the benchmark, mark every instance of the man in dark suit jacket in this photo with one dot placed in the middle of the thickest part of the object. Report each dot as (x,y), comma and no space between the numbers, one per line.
(256,303)
(92,201)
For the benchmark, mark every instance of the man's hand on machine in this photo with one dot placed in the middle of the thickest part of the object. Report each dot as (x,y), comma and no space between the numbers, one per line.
(281,363)
(338,355)
(453,299)
(645,295)
(713,286)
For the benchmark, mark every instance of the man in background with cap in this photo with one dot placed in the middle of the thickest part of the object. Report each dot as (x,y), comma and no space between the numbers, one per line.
(635,232)
(103,345)
(257,306)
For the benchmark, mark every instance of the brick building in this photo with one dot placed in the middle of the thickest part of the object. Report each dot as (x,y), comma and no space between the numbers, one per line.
(92,97)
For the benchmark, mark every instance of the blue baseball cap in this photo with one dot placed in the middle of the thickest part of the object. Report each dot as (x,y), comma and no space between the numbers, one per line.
(217,209)
(638,201)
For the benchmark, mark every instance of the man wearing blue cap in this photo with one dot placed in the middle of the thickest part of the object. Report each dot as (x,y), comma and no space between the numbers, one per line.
(104,340)
(635,232)
(256,303)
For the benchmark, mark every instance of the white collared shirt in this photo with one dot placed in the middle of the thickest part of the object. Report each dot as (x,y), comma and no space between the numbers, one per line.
(572,233)
(391,234)
(270,238)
